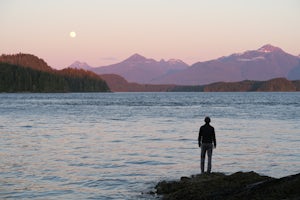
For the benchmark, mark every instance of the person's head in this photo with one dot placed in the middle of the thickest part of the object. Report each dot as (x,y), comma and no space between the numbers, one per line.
(207,120)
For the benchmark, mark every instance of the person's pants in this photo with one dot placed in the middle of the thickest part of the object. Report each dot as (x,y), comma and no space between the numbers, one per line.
(206,147)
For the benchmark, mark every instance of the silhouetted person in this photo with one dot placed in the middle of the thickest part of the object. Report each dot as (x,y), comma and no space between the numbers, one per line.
(206,140)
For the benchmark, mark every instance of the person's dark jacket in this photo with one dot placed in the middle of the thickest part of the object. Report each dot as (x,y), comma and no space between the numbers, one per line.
(207,135)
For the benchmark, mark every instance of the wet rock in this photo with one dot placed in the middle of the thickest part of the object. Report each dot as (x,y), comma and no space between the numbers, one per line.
(240,185)
(184,178)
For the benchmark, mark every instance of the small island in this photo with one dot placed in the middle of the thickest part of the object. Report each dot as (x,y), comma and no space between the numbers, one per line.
(239,185)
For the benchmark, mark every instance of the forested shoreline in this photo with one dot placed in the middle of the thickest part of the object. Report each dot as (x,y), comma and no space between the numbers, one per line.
(14,78)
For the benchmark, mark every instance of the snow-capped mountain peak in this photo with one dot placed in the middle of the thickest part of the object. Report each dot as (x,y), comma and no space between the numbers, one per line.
(80,65)
(268,48)
(175,61)
(136,58)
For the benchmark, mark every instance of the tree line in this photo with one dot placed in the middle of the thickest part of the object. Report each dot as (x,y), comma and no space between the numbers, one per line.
(15,78)
(273,85)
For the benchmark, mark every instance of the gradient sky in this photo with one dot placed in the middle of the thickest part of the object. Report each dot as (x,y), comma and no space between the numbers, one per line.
(109,31)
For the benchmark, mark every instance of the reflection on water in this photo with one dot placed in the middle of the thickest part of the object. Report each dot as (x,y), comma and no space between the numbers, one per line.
(115,146)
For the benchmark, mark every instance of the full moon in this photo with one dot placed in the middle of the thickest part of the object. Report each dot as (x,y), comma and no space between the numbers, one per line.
(72,34)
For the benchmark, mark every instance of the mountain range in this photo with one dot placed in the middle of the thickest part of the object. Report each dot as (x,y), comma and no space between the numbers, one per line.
(265,63)
(137,68)
(28,73)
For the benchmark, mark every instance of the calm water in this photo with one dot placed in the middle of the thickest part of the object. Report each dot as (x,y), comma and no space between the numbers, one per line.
(118,145)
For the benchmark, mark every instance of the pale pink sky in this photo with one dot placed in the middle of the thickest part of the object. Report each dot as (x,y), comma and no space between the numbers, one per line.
(109,31)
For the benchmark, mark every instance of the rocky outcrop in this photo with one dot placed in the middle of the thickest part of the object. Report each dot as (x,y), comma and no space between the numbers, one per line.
(240,185)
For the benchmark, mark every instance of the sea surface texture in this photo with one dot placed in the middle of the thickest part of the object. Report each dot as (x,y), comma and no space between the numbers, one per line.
(119,145)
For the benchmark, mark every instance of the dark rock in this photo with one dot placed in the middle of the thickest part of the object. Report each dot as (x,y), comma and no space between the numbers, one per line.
(240,185)
(184,178)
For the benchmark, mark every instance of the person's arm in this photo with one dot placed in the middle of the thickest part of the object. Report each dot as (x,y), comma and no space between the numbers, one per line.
(214,139)
(199,138)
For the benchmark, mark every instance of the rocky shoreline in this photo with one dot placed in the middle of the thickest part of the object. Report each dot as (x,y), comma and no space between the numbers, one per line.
(239,185)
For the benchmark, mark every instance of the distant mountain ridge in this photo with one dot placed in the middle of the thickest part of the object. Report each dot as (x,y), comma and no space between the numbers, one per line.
(143,70)
(267,62)
(263,64)
(140,69)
